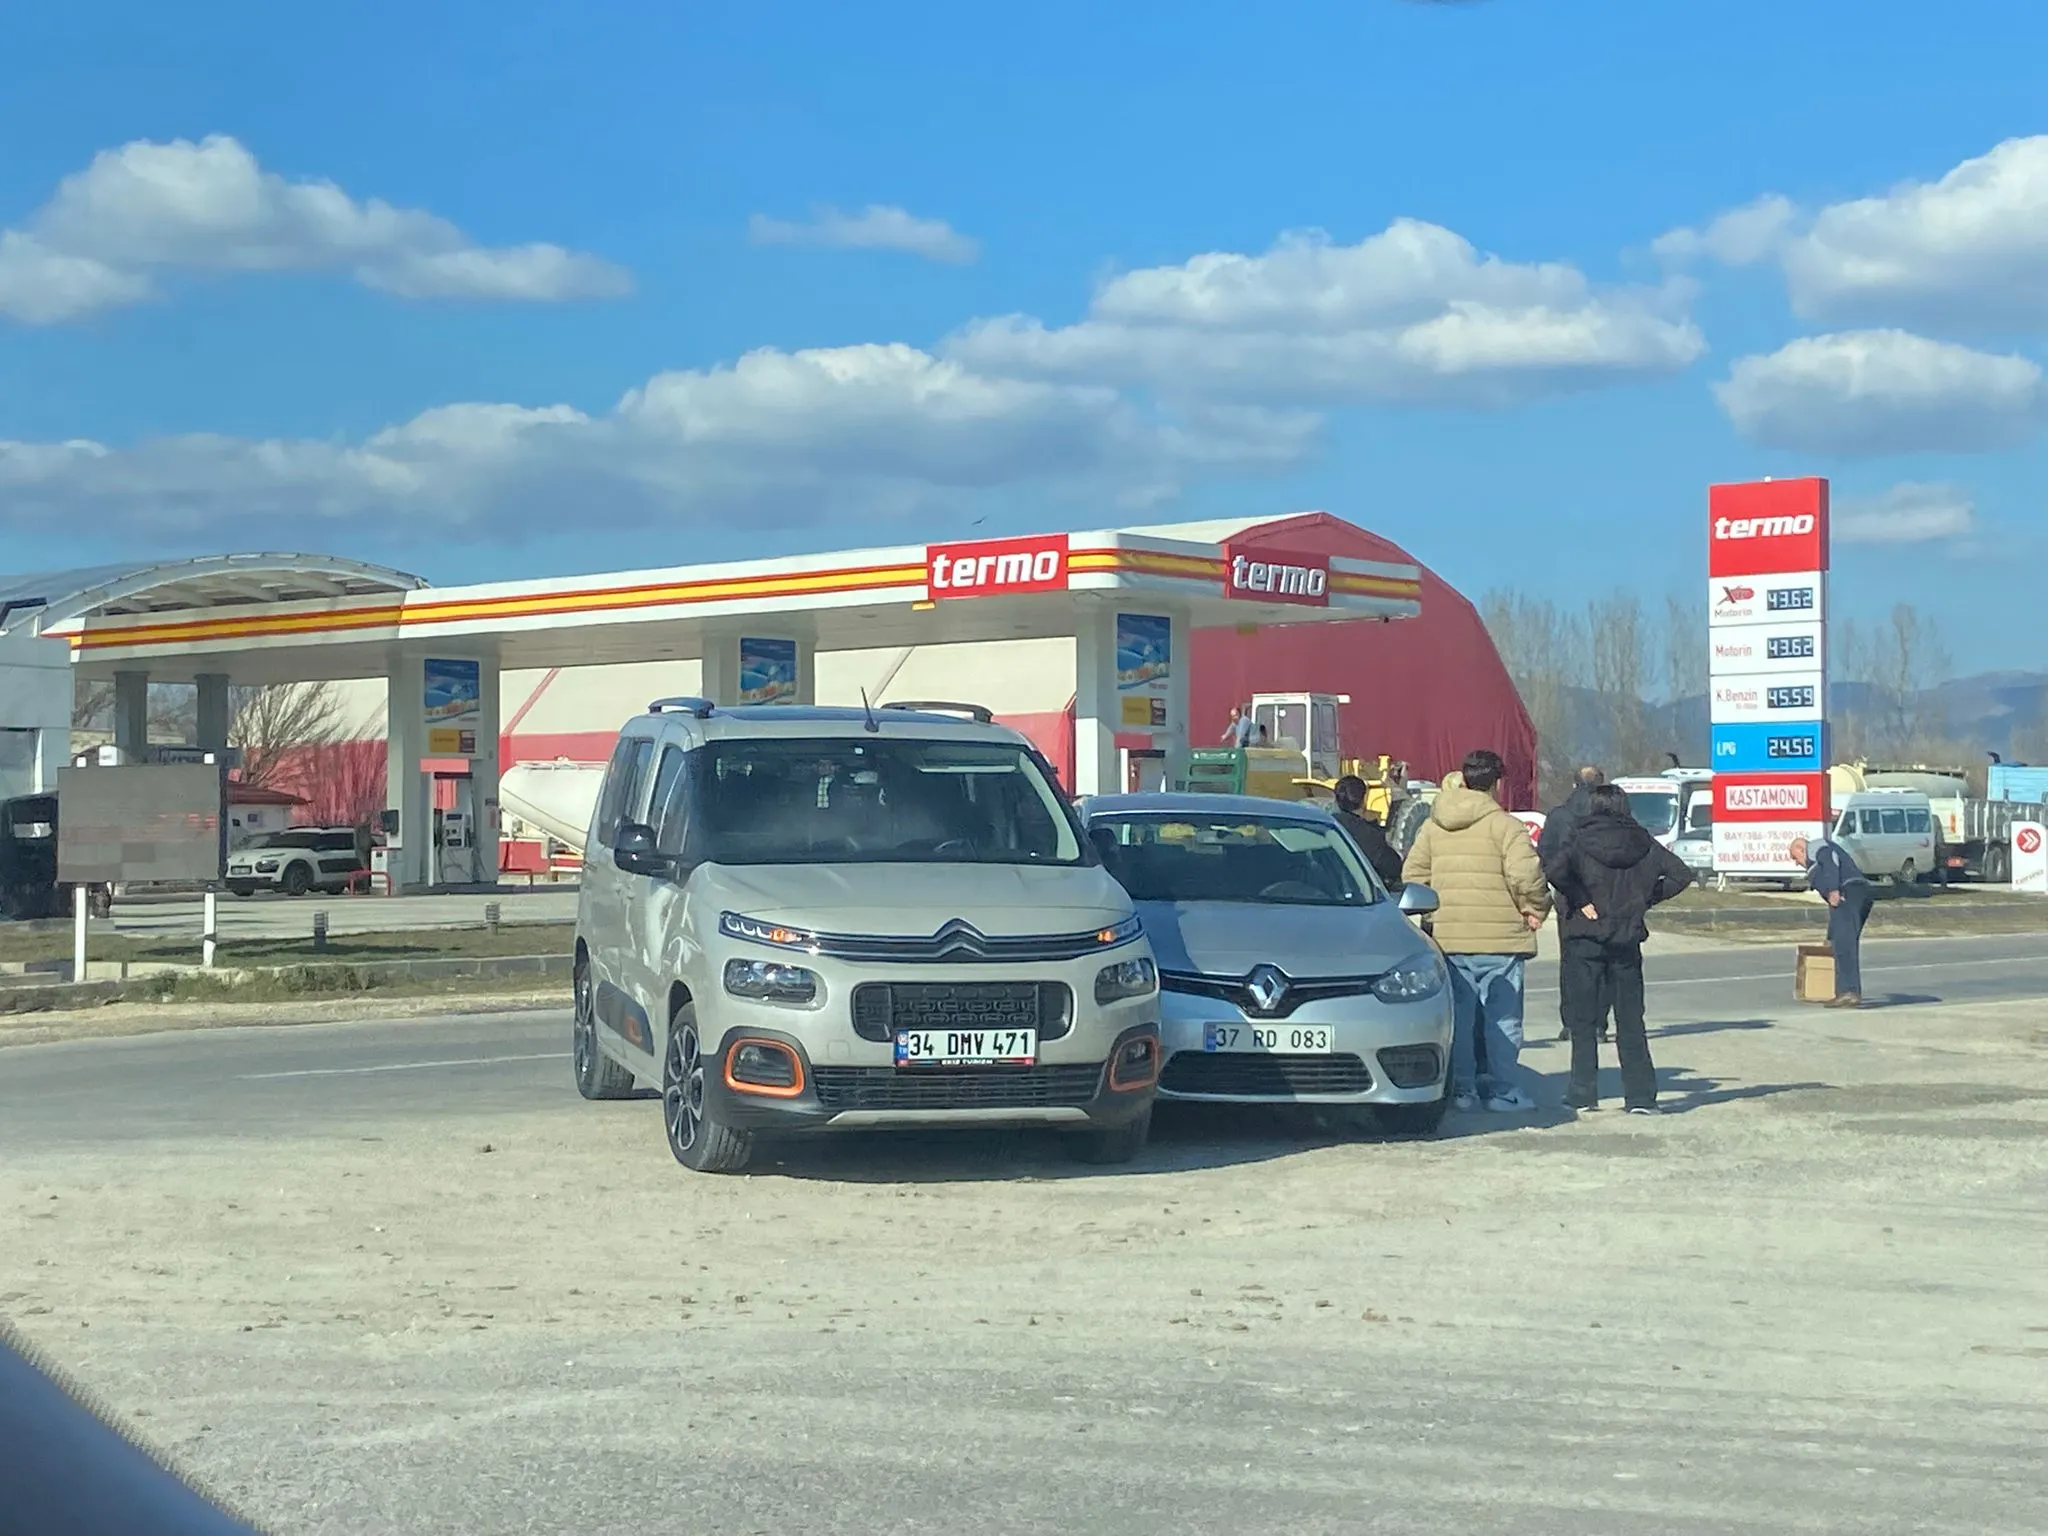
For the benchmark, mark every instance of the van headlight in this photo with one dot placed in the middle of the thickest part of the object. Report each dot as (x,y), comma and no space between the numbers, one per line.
(754,931)
(1125,979)
(1410,983)
(769,981)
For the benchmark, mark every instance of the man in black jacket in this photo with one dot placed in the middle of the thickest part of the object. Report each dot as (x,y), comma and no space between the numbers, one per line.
(1370,836)
(1839,881)
(1555,842)
(1610,875)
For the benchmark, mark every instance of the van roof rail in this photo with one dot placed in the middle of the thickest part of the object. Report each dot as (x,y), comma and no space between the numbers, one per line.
(979,713)
(701,708)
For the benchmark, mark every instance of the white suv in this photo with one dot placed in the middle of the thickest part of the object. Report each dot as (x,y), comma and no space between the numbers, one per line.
(297,861)
(795,918)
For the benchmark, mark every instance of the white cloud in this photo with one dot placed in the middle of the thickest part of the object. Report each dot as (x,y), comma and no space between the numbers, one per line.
(875,228)
(1908,513)
(1883,392)
(1970,249)
(209,207)
(789,437)
(1413,314)
(1738,237)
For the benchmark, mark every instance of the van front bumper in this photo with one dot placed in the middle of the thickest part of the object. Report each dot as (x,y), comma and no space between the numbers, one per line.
(834,1096)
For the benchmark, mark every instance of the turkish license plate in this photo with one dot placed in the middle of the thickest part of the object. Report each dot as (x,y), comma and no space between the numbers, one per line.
(1270,1039)
(966,1047)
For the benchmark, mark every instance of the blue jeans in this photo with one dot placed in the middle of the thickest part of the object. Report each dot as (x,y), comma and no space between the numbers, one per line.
(1486,991)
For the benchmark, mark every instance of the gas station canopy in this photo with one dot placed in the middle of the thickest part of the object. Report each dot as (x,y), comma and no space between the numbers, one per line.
(1128,600)
(925,595)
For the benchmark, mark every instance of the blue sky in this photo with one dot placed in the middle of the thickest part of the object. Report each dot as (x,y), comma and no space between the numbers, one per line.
(508,290)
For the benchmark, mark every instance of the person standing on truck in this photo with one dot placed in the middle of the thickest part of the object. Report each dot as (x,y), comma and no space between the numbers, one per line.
(1242,728)
(1555,845)
(1608,876)
(1365,831)
(1833,876)
(1492,901)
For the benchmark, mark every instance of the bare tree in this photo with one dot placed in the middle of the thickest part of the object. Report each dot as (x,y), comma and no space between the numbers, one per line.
(1891,709)
(273,722)
(342,781)
(1544,650)
(173,710)
(1618,647)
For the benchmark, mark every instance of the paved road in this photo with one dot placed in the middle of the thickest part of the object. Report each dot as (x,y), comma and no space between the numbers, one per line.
(397,1277)
(291,1081)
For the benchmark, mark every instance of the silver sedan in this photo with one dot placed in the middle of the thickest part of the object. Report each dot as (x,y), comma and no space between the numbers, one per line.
(1288,975)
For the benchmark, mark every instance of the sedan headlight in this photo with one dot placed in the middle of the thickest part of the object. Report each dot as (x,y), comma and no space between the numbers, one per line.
(770,981)
(755,931)
(1127,978)
(1410,983)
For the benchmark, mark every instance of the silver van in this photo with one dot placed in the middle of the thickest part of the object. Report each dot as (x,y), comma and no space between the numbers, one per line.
(1890,833)
(796,918)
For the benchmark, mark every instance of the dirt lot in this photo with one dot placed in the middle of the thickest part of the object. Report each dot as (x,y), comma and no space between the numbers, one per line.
(1816,1300)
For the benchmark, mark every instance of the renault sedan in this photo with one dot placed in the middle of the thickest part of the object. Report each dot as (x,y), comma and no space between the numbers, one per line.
(1288,975)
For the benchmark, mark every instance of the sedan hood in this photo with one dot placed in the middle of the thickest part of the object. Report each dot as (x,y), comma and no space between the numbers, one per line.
(913,900)
(1228,938)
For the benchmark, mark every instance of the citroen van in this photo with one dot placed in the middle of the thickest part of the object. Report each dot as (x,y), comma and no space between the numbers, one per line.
(796,918)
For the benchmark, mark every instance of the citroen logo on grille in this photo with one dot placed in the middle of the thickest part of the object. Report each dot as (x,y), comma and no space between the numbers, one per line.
(957,935)
(1267,987)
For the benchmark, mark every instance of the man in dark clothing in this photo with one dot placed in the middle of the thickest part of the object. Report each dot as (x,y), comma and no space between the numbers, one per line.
(1835,878)
(1370,836)
(1555,842)
(1611,874)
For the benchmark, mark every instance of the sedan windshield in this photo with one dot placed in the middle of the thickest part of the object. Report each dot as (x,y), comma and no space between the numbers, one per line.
(874,800)
(1271,861)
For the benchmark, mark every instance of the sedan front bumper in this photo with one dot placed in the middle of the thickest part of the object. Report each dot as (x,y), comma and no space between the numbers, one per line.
(1377,1052)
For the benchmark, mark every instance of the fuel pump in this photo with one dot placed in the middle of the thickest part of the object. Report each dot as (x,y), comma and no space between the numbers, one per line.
(453,845)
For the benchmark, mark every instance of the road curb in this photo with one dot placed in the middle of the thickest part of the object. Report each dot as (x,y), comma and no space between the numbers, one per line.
(337,979)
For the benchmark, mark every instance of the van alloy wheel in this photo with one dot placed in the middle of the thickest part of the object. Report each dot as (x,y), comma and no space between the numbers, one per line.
(682,1088)
(597,1075)
(695,1135)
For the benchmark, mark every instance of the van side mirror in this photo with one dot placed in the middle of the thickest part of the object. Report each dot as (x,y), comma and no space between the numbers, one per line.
(633,850)
(1418,900)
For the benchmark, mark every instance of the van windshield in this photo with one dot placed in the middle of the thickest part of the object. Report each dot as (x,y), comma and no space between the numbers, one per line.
(1656,809)
(869,800)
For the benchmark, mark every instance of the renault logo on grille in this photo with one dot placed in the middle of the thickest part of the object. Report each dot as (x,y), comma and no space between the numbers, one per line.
(1266,986)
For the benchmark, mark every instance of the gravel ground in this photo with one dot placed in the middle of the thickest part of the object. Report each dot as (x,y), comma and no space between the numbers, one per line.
(1816,1300)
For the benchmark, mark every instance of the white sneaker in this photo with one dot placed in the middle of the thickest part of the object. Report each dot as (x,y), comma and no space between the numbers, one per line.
(1510,1102)
(1465,1103)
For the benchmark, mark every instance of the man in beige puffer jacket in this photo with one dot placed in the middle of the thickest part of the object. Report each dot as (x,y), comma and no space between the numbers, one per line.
(1494,898)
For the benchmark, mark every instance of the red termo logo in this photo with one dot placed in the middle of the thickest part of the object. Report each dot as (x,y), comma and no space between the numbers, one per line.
(1767,527)
(991,566)
(1276,576)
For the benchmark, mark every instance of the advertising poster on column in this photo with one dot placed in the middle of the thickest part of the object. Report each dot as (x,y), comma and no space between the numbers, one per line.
(454,706)
(1144,667)
(767,671)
